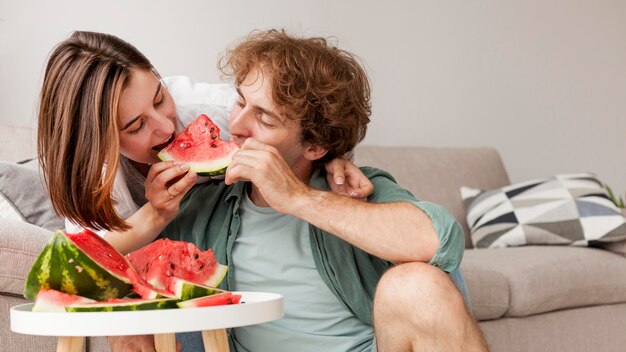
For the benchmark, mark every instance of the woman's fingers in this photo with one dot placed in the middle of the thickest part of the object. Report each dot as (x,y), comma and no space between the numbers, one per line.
(181,186)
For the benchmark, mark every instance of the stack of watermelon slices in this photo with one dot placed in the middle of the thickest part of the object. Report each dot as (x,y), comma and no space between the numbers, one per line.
(82,272)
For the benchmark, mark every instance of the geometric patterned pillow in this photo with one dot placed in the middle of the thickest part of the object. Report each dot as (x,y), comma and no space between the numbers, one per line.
(567,209)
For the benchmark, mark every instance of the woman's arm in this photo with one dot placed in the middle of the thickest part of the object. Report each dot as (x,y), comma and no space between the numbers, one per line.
(166,184)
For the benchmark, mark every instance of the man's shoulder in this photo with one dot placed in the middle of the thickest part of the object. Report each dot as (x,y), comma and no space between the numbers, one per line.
(373,173)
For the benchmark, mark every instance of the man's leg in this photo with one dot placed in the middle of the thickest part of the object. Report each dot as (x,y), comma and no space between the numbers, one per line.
(418,308)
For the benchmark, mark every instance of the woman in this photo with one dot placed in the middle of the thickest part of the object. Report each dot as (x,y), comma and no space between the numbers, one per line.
(104,115)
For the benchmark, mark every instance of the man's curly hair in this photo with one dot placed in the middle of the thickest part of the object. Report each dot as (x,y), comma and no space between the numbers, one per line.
(313,82)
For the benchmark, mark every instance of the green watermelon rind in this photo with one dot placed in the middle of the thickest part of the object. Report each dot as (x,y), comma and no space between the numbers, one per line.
(194,303)
(186,290)
(64,267)
(148,304)
(203,168)
(216,279)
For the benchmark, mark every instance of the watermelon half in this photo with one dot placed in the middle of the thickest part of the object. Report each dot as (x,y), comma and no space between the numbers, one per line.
(165,259)
(81,264)
(199,145)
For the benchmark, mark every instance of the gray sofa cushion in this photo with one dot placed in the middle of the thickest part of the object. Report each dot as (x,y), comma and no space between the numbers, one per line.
(542,279)
(20,245)
(436,174)
(22,188)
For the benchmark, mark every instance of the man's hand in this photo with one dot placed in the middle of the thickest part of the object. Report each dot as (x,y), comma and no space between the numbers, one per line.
(269,172)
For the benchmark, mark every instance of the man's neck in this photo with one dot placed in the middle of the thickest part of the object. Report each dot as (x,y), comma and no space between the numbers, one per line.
(303,173)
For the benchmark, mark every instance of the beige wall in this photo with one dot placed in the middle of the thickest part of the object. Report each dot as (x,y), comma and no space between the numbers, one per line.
(542,81)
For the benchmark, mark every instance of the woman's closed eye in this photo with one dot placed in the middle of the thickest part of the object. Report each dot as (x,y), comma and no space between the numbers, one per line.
(142,122)
(159,101)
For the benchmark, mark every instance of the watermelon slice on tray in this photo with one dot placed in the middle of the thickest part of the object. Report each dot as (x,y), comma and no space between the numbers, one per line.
(185,290)
(49,300)
(115,305)
(163,259)
(200,146)
(219,299)
(81,264)
(82,272)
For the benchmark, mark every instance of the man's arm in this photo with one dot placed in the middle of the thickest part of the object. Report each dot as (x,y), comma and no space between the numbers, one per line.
(394,231)
(398,232)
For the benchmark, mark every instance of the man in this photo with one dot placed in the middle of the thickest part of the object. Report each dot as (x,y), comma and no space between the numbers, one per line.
(356,276)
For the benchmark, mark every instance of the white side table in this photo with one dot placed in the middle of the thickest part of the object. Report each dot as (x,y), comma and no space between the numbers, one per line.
(71,328)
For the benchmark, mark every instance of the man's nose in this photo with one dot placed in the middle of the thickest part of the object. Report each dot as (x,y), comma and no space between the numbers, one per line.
(239,122)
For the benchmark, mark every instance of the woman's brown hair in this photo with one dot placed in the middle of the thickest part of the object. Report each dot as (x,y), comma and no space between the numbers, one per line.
(313,82)
(78,134)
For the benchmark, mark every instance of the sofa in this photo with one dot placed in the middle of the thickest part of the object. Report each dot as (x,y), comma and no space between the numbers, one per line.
(528,298)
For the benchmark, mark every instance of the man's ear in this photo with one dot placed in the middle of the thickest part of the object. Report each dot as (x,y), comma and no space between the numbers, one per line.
(314,152)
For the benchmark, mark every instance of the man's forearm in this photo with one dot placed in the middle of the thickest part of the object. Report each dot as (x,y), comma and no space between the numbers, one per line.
(398,232)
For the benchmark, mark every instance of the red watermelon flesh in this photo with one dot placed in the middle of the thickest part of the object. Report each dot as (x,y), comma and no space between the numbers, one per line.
(100,251)
(163,259)
(49,300)
(219,299)
(200,146)
(144,288)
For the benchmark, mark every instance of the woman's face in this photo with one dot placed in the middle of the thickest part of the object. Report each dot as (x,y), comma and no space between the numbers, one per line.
(147,118)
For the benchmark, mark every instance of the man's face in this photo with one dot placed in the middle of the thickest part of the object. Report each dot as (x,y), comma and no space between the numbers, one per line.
(256,116)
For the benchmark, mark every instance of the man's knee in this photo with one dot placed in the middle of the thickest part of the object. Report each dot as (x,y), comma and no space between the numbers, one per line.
(418,285)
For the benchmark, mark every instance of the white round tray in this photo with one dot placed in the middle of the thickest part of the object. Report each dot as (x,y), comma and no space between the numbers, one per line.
(259,307)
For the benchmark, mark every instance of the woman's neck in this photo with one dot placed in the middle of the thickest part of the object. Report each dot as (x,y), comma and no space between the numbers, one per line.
(142,168)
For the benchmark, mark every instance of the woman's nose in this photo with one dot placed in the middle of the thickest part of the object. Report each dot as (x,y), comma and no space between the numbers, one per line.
(164,125)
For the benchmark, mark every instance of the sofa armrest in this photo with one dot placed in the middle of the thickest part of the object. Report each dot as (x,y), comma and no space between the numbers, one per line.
(20,245)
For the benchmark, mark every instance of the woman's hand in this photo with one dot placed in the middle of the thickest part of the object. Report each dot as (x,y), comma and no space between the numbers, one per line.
(166,184)
(344,177)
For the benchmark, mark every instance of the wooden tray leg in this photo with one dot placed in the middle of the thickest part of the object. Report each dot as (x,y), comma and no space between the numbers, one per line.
(70,343)
(215,340)
(165,342)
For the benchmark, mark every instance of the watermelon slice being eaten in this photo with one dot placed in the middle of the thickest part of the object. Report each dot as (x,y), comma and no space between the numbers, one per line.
(199,145)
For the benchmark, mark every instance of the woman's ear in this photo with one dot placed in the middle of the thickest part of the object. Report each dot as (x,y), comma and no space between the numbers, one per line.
(314,152)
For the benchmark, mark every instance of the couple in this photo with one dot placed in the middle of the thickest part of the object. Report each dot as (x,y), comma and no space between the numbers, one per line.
(356,276)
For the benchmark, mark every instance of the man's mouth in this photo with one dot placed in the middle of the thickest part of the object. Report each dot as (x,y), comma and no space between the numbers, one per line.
(164,144)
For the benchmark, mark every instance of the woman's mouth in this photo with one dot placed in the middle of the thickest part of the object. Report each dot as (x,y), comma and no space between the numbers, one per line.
(164,144)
